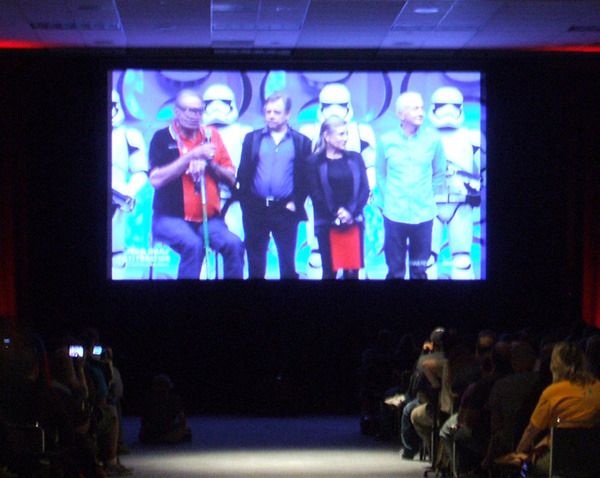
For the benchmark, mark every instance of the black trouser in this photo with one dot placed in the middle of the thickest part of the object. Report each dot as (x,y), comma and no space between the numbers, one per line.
(260,220)
(395,247)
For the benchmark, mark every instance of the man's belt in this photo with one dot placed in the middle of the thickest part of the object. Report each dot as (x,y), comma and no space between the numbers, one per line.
(271,202)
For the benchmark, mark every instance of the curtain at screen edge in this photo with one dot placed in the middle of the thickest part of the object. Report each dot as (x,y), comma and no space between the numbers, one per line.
(8,291)
(591,249)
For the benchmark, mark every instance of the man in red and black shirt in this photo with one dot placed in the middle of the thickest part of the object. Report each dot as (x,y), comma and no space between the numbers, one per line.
(185,157)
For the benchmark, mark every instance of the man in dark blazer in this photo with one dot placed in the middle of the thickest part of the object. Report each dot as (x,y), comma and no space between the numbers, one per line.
(272,188)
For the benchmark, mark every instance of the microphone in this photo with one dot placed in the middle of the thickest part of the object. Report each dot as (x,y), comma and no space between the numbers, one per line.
(198,180)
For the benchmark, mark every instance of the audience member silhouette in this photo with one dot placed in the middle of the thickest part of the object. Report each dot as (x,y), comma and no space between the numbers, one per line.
(105,417)
(511,402)
(163,419)
(375,377)
(571,400)
(432,400)
(29,407)
(592,355)
(69,384)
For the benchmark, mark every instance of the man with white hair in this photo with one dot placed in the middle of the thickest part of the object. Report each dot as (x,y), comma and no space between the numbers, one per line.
(188,161)
(411,165)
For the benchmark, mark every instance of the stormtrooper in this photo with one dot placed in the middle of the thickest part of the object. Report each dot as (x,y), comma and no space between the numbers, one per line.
(461,192)
(129,174)
(335,100)
(220,111)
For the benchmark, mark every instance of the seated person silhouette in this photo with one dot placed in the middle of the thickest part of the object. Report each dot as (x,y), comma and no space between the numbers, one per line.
(163,419)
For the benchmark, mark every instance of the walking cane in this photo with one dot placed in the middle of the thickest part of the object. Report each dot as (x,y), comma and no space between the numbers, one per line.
(205,222)
(207,138)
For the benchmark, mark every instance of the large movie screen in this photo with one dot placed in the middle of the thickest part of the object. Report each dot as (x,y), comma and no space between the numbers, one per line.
(309,175)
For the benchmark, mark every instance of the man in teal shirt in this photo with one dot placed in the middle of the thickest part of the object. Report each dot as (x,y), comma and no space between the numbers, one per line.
(411,168)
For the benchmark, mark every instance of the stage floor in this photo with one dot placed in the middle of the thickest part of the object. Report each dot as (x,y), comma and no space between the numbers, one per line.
(232,447)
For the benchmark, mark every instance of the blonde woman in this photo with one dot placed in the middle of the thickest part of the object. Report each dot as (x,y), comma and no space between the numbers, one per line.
(339,190)
(573,399)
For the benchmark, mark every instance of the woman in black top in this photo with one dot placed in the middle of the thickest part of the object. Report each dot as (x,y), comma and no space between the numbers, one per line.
(338,188)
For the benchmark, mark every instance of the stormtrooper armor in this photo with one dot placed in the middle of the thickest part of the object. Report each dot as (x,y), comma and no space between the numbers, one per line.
(462,185)
(335,100)
(221,112)
(129,174)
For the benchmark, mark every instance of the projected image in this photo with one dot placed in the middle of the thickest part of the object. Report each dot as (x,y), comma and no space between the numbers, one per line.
(219,175)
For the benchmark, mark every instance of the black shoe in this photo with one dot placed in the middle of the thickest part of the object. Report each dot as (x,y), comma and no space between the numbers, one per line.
(408,454)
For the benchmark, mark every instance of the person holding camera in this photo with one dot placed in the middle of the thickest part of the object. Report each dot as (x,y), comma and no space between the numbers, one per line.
(339,190)
(105,419)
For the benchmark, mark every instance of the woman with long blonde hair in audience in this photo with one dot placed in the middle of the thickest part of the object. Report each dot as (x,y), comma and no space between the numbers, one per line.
(571,400)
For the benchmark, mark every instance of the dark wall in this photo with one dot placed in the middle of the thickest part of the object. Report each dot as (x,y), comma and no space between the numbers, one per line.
(264,348)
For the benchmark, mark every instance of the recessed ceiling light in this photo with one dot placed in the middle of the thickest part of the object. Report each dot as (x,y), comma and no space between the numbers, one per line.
(426,10)
(222,7)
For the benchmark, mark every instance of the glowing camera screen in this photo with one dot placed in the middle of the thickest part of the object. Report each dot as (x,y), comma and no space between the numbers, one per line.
(370,175)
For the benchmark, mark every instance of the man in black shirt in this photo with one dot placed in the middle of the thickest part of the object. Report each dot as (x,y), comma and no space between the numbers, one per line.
(272,188)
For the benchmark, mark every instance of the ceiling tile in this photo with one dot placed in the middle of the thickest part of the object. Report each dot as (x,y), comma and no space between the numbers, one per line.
(577,38)
(282,14)
(234,14)
(304,23)
(61,37)
(427,39)
(51,12)
(470,13)
(280,39)
(179,13)
(423,12)
(332,23)
(541,15)
(234,36)
(13,25)
(93,11)
(104,39)
(509,39)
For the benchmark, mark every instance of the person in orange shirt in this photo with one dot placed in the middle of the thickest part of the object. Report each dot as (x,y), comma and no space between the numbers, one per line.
(572,400)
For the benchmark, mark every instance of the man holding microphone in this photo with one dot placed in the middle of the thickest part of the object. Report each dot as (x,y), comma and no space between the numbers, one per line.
(187,162)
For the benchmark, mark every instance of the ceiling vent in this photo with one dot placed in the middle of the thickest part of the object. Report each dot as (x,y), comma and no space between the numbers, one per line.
(84,26)
(585,28)
(53,26)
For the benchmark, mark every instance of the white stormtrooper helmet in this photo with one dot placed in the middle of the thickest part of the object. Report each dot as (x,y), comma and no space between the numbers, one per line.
(118,115)
(446,107)
(335,101)
(219,105)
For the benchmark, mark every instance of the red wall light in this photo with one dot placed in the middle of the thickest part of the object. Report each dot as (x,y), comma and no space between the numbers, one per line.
(23,44)
(570,48)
